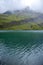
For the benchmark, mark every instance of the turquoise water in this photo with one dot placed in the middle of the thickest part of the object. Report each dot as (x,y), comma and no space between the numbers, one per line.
(21,47)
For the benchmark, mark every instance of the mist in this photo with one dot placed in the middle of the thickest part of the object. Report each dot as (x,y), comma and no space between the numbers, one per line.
(36,5)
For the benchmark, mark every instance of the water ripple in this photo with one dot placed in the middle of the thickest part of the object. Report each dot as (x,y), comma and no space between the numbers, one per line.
(22,49)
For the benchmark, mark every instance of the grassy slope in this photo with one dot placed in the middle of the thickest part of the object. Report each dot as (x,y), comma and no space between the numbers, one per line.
(9,18)
(27,26)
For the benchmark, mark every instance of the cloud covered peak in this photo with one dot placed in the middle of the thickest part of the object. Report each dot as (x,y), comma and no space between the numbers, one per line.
(5,5)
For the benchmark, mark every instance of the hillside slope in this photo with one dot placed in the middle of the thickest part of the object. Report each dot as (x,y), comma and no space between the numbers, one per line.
(21,19)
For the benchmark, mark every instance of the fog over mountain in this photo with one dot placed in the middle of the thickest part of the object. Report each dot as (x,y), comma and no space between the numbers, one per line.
(11,5)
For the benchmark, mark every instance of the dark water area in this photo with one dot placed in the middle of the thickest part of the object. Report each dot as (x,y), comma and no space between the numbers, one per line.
(21,47)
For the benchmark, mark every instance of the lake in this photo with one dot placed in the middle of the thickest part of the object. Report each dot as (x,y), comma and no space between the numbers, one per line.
(21,47)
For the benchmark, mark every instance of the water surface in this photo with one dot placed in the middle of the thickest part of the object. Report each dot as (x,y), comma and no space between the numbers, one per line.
(21,47)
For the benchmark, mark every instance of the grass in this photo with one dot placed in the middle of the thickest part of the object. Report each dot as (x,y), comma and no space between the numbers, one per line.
(27,26)
(5,18)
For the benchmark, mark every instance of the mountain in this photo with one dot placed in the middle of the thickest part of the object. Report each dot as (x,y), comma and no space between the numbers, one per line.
(22,19)
(24,10)
(7,12)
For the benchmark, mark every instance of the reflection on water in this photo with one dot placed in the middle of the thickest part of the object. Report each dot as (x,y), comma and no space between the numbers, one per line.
(21,48)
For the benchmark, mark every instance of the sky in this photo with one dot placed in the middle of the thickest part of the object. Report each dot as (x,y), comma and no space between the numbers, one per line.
(11,5)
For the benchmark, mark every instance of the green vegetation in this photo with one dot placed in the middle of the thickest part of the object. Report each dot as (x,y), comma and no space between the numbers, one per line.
(6,20)
(27,26)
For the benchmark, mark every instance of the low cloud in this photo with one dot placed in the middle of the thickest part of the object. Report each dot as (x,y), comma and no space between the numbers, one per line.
(5,5)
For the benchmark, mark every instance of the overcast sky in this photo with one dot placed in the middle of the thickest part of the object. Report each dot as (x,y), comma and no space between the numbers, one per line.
(36,5)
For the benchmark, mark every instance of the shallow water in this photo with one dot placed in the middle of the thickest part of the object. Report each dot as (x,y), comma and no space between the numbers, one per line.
(21,47)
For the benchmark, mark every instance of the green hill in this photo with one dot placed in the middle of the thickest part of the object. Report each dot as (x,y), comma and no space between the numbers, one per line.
(21,20)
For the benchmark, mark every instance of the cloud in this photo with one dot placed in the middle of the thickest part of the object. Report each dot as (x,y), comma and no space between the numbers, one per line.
(36,5)
(11,5)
